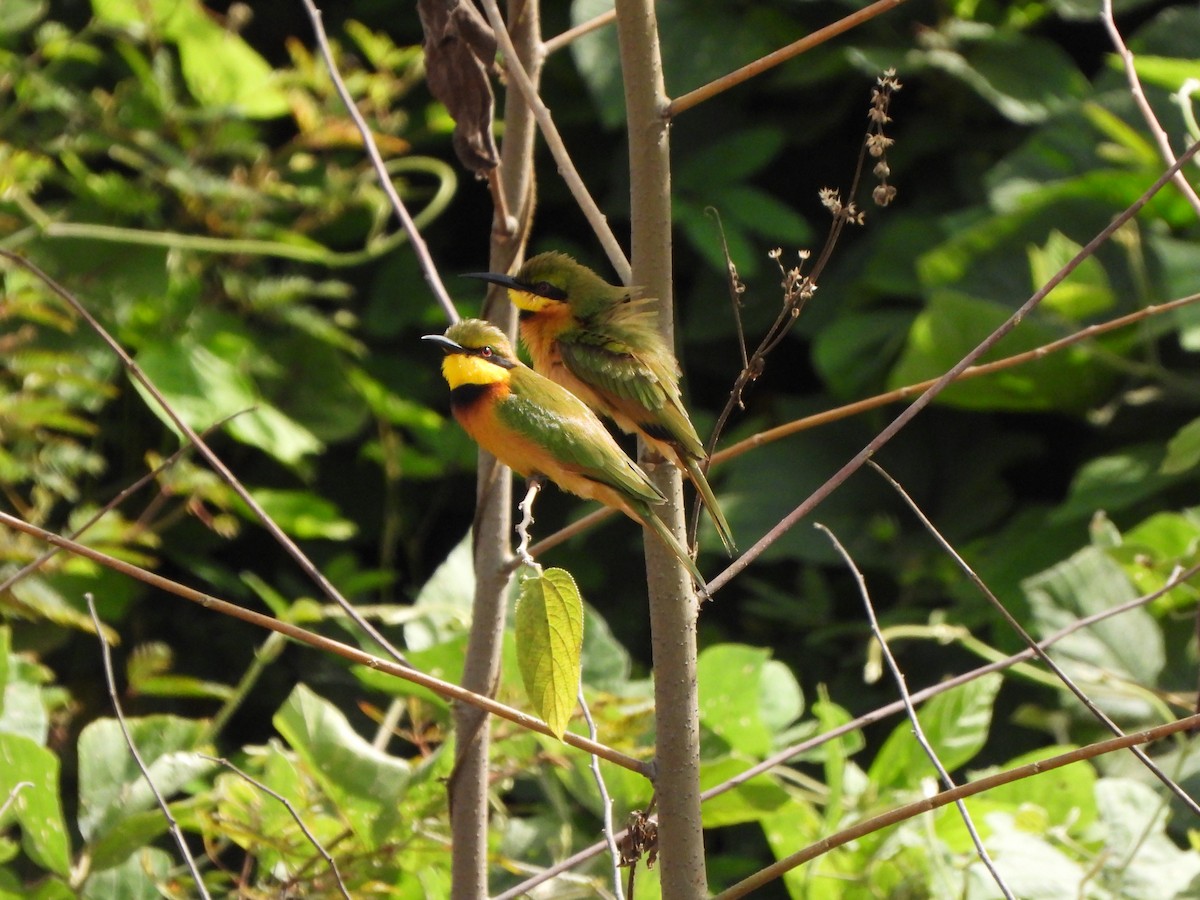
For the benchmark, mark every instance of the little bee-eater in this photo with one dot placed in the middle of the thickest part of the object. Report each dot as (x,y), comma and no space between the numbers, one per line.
(601,342)
(536,427)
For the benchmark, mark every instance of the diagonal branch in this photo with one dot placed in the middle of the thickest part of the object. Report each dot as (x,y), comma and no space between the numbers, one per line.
(906,699)
(444,689)
(895,816)
(745,73)
(876,715)
(1016,626)
(834,482)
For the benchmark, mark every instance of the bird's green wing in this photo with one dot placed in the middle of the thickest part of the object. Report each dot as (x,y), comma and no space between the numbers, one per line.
(552,418)
(626,359)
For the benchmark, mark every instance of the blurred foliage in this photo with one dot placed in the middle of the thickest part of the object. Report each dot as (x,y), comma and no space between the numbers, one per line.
(191,176)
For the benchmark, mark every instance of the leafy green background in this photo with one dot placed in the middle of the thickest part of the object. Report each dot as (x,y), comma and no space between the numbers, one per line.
(190,175)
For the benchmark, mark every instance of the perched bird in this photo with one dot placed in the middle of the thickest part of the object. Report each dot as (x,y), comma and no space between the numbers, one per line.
(601,342)
(535,427)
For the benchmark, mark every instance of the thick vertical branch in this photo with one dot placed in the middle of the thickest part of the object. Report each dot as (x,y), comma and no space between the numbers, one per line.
(673,604)
(493,517)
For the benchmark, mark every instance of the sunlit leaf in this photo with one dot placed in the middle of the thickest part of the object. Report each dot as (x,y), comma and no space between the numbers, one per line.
(549,626)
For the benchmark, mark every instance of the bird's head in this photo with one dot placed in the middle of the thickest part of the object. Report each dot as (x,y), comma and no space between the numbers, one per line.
(550,280)
(477,352)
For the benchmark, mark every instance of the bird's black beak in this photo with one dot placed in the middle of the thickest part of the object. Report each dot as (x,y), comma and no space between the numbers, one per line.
(495,278)
(448,346)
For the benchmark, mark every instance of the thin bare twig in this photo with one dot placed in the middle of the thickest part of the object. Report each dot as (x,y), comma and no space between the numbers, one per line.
(870,718)
(1016,626)
(111,682)
(566,168)
(424,258)
(820,36)
(892,817)
(1143,105)
(606,803)
(312,838)
(906,699)
(559,41)
(327,645)
(135,371)
(909,390)
(836,480)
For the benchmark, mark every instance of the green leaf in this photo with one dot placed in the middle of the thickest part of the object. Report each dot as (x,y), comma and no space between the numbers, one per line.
(1050,804)
(549,629)
(221,70)
(1115,482)
(762,214)
(1126,648)
(18,15)
(856,350)
(1083,293)
(605,662)
(1134,816)
(1183,450)
(952,325)
(1164,71)
(366,784)
(135,879)
(1026,79)
(302,514)
(729,159)
(955,724)
(37,808)
(112,787)
(730,679)
(445,600)
(46,889)
(203,388)
(750,801)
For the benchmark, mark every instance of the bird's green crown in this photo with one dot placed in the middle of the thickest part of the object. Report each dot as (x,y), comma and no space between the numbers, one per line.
(475,334)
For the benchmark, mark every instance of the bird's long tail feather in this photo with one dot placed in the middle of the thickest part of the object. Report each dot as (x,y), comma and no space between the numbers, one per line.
(655,524)
(710,503)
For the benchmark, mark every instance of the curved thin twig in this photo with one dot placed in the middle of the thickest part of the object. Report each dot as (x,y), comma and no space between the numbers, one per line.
(312,838)
(428,269)
(1143,105)
(111,682)
(1042,655)
(876,715)
(906,699)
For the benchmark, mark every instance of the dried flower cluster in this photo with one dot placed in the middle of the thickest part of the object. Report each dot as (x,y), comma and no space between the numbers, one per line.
(878,142)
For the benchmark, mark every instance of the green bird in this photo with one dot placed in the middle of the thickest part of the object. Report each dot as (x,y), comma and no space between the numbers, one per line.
(536,427)
(601,342)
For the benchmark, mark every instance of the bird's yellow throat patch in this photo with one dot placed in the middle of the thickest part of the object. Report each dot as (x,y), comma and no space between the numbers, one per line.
(531,302)
(462,368)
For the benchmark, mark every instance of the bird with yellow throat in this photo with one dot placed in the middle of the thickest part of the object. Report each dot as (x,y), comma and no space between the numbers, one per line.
(601,342)
(536,427)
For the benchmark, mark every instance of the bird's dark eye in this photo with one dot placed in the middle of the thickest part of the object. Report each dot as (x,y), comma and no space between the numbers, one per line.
(545,289)
(485,352)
